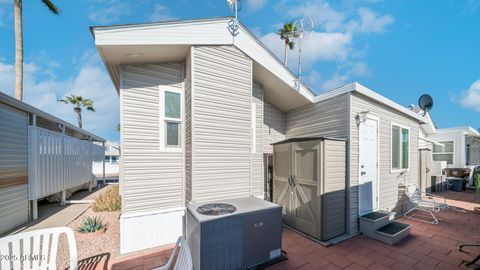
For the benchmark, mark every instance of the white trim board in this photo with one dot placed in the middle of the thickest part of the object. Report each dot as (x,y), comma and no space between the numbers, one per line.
(356,87)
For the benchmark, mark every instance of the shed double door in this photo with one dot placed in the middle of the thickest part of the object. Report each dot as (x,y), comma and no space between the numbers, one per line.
(296,185)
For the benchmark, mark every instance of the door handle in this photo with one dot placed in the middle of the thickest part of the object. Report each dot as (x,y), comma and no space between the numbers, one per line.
(293,181)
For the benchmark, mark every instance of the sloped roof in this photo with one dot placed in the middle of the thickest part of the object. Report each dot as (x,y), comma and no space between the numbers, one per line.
(356,87)
(22,106)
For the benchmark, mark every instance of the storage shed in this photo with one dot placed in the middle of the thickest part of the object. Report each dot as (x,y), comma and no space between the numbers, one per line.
(310,184)
(40,155)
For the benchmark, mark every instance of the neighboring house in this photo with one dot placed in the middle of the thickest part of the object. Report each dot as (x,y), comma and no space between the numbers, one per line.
(40,155)
(112,158)
(200,106)
(459,146)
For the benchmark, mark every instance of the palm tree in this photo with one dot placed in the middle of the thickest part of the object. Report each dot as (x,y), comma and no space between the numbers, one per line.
(79,102)
(288,33)
(17,10)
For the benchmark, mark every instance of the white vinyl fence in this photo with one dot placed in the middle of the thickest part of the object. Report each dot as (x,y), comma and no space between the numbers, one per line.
(58,162)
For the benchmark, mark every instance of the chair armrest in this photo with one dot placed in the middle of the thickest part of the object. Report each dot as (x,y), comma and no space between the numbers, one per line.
(436,196)
(169,263)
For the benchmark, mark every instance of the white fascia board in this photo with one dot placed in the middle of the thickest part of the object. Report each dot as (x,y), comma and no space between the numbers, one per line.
(365,91)
(252,47)
(465,130)
(198,32)
(371,94)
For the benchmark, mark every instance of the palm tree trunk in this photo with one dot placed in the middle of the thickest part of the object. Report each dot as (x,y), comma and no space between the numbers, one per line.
(285,59)
(79,116)
(18,50)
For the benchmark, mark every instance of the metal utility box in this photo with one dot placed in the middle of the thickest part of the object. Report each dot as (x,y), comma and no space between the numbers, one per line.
(310,183)
(234,234)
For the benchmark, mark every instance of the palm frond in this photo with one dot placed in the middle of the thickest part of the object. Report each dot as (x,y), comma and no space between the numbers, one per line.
(51,6)
(291,45)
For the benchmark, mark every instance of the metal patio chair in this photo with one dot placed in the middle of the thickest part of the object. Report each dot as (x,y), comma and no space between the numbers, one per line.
(36,249)
(183,260)
(425,202)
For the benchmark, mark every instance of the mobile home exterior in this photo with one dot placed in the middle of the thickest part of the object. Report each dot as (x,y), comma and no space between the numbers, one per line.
(199,113)
(34,160)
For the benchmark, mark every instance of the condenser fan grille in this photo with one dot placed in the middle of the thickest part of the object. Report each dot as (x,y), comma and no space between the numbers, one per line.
(216,209)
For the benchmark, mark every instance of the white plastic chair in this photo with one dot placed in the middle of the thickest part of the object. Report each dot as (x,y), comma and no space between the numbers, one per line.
(424,202)
(36,249)
(184,259)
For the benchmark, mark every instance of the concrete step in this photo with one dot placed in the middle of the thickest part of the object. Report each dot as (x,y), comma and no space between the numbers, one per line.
(371,222)
(392,232)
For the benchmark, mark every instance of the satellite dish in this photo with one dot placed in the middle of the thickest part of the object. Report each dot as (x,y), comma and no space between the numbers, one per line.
(425,102)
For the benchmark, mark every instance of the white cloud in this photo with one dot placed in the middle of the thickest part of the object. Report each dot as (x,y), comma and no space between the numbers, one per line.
(318,46)
(108,11)
(335,81)
(470,98)
(254,5)
(322,14)
(370,22)
(160,13)
(313,79)
(91,81)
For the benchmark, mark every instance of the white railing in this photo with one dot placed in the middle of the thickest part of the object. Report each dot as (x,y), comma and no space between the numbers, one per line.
(58,162)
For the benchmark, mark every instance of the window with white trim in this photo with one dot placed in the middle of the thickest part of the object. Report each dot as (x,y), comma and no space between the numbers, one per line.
(400,148)
(171,118)
(443,151)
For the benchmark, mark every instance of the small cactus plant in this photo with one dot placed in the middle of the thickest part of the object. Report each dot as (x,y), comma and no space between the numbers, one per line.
(91,224)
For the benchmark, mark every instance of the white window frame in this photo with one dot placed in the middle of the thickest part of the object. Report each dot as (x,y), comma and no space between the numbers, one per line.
(442,153)
(163,120)
(398,170)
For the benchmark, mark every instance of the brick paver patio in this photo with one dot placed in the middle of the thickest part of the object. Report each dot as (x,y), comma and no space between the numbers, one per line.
(428,247)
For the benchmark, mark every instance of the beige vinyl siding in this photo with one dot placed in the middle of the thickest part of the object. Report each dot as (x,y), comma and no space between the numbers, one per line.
(389,191)
(188,128)
(257,157)
(334,194)
(152,178)
(327,118)
(274,126)
(221,104)
(13,167)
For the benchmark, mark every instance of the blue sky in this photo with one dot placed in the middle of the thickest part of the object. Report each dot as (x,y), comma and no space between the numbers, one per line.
(400,49)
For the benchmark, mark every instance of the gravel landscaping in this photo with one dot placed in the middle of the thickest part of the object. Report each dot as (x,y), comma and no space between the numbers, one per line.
(92,248)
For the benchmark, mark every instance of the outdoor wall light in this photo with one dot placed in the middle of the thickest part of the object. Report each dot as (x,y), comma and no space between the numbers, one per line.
(361,117)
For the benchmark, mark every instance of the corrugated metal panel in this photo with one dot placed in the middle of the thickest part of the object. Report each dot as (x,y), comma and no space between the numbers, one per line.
(389,191)
(13,207)
(222,93)
(13,146)
(152,178)
(58,162)
(274,126)
(334,184)
(13,167)
(188,127)
(257,156)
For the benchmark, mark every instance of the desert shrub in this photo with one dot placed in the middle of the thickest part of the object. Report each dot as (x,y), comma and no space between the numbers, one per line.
(108,200)
(91,224)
